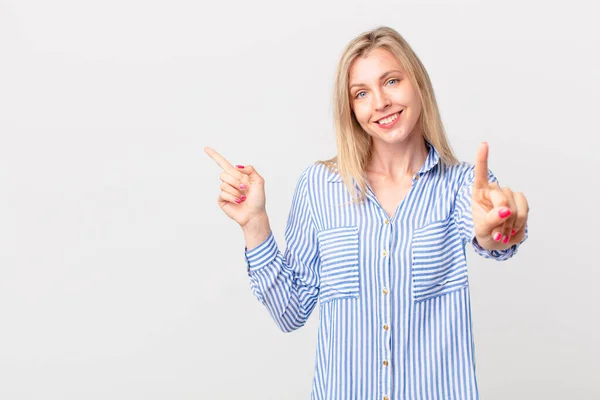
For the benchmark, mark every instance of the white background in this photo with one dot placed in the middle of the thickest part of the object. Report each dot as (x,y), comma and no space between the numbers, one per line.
(120,278)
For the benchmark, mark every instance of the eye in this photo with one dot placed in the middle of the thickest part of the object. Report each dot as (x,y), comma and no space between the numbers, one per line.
(391,81)
(358,95)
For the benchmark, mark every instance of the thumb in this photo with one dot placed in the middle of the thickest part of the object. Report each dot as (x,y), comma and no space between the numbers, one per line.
(250,172)
(246,169)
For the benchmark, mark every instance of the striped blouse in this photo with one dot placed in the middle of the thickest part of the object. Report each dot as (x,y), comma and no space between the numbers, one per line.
(395,317)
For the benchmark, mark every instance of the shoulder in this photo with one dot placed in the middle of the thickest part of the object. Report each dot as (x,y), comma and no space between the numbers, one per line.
(456,174)
(320,173)
(465,168)
(463,173)
(461,167)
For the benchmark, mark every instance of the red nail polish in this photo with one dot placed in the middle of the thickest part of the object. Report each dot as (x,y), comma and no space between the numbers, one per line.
(512,233)
(505,240)
(243,197)
(497,236)
(238,201)
(239,166)
(504,213)
(242,186)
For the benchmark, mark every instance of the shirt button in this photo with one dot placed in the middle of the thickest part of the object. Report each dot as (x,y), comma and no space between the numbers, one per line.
(416,177)
(385,291)
(385,253)
(386,327)
(386,398)
(387,221)
(385,362)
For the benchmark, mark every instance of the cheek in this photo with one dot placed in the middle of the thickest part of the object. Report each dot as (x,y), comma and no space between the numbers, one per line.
(417,109)
(361,111)
(414,99)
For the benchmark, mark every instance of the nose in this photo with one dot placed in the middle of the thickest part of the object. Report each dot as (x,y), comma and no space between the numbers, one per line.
(381,101)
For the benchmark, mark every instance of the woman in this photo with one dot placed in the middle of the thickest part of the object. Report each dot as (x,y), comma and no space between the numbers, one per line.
(378,235)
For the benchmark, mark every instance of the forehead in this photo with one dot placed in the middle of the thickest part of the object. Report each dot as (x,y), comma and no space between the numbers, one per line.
(371,67)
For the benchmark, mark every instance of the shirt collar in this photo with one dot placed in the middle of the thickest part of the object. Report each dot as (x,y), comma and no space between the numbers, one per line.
(432,159)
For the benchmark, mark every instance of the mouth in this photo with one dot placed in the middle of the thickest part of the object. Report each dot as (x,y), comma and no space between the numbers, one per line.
(390,120)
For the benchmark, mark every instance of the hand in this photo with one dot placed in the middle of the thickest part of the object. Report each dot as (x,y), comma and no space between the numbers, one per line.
(240,203)
(499,214)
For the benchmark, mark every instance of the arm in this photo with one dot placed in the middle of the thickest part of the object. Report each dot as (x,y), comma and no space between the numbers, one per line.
(286,283)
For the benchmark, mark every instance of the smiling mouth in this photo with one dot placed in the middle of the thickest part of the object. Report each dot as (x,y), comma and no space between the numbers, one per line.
(390,120)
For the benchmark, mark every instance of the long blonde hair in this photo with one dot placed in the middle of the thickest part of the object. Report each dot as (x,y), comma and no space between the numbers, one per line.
(353,144)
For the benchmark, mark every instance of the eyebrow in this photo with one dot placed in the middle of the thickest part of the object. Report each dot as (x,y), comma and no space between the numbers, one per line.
(394,71)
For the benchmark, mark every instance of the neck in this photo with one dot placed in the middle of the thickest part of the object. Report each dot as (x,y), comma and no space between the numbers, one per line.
(397,161)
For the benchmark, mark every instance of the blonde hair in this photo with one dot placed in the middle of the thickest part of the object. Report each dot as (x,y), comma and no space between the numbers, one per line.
(353,144)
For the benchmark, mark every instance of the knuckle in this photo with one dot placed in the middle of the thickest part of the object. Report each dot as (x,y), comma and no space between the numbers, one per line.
(520,221)
(521,197)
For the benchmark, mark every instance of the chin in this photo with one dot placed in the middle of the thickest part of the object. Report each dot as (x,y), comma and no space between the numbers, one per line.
(393,136)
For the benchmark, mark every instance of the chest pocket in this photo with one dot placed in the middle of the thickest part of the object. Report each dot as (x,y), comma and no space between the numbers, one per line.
(338,251)
(439,264)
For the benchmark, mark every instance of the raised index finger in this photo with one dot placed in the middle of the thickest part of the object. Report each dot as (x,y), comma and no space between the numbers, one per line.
(222,162)
(481,167)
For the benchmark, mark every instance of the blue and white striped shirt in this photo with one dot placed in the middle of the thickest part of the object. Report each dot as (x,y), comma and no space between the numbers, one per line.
(395,317)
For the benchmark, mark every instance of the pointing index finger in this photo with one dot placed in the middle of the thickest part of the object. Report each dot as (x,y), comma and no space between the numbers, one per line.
(481,167)
(221,161)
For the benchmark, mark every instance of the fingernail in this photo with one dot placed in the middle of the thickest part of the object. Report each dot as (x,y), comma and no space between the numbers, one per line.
(239,166)
(504,212)
(242,186)
(238,201)
(505,239)
(512,233)
(497,236)
(243,197)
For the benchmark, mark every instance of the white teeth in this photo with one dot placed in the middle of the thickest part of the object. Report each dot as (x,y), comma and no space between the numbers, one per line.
(388,120)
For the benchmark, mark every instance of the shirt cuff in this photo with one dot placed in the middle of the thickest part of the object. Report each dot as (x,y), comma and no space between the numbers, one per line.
(499,255)
(262,255)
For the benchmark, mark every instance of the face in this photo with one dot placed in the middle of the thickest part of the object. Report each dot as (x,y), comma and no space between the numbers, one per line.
(383,99)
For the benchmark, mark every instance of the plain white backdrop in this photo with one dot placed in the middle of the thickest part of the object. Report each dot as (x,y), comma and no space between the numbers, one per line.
(120,277)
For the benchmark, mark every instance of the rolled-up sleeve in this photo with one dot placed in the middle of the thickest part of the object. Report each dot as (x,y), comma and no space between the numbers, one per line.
(463,217)
(287,283)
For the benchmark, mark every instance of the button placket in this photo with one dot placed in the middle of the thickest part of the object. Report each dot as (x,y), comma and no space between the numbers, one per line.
(385,302)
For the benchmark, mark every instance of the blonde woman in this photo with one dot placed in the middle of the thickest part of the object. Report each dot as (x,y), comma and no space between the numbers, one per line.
(377,235)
